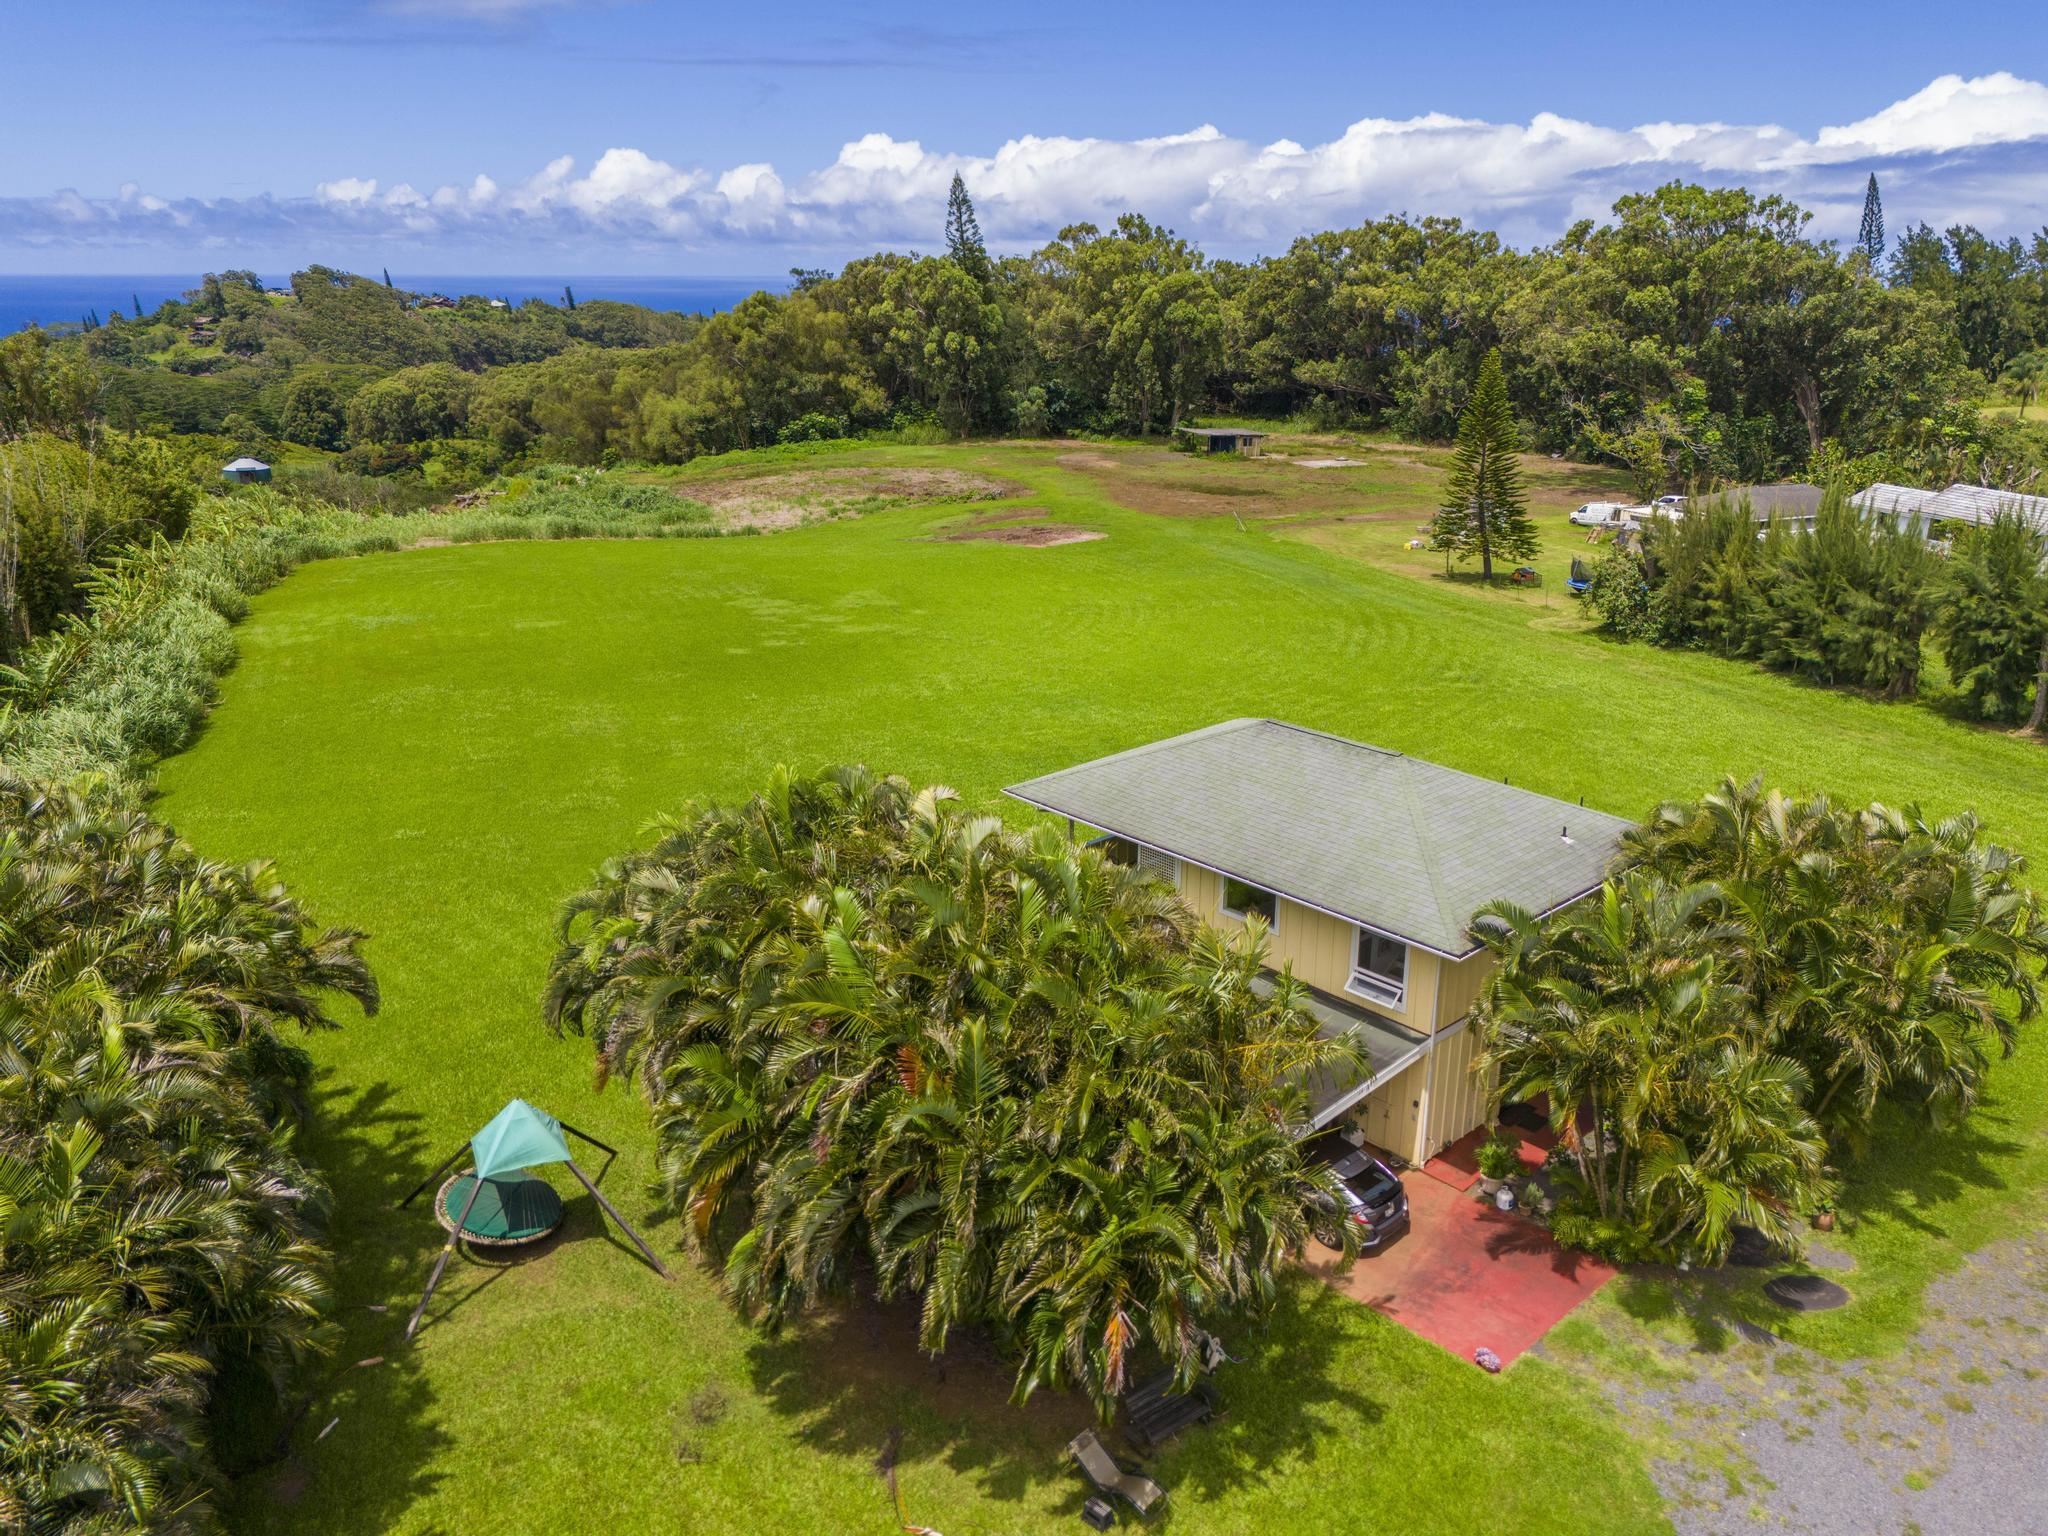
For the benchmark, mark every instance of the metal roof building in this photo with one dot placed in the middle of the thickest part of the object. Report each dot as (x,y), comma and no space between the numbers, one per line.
(1392,843)
(1786,501)
(1982,504)
(1903,502)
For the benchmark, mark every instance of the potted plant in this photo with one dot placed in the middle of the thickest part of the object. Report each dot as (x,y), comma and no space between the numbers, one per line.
(1499,1158)
(1824,1216)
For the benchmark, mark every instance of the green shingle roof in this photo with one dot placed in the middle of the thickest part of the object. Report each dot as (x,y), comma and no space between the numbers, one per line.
(1398,844)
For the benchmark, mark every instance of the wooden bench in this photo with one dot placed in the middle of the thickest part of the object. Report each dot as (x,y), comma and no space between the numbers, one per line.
(1154,1412)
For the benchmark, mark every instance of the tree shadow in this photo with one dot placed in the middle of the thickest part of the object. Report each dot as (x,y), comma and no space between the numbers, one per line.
(855,1382)
(1907,1171)
(369,1405)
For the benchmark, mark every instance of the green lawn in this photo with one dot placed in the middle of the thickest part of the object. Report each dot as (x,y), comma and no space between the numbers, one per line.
(440,745)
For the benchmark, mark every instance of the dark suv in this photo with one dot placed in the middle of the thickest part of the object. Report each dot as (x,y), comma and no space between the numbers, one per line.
(1374,1200)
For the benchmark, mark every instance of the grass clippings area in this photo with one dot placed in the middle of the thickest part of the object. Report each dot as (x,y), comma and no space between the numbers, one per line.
(440,745)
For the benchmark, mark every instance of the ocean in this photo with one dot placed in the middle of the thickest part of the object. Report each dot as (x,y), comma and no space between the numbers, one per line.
(57,300)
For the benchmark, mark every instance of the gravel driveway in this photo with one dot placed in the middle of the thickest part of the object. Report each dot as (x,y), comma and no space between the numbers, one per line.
(1943,1439)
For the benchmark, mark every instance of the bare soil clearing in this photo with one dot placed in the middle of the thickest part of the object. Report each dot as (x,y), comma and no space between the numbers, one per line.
(1014,525)
(1028,535)
(791,498)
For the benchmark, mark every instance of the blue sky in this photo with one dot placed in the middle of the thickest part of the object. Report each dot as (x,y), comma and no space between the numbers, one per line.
(621,136)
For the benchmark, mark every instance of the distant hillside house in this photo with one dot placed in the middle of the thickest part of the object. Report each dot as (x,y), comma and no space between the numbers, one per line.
(246,472)
(1367,866)
(1227,440)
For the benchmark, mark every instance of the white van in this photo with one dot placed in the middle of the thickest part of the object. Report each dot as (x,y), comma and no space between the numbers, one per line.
(1600,514)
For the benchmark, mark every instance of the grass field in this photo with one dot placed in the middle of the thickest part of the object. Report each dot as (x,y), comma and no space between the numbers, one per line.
(440,745)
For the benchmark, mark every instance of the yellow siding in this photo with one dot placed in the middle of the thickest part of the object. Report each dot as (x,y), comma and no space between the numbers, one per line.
(1432,1103)
(1391,1115)
(1455,1097)
(1459,988)
(1319,947)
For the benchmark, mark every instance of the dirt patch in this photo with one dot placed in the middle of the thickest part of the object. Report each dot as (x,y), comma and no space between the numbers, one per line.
(1013,525)
(1327,463)
(1029,535)
(791,498)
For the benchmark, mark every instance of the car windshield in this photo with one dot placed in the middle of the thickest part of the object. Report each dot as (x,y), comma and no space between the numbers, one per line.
(1373,1185)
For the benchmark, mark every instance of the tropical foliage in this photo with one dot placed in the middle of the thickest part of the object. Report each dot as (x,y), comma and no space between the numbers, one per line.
(1730,1014)
(888,1043)
(156,1220)
(1695,335)
(1993,620)
(1849,603)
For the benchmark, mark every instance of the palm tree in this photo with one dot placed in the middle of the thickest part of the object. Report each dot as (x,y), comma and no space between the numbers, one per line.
(154,1218)
(2025,375)
(1632,1013)
(1889,955)
(889,1042)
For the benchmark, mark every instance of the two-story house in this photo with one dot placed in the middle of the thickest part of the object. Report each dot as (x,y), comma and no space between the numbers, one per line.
(1366,866)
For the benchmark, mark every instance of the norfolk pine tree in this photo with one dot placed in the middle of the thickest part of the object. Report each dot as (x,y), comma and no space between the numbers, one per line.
(1485,511)
(1870,233)
(963,233)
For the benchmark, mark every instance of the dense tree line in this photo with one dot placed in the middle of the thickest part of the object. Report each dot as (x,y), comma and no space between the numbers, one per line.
(890,1045)
(158,1228)
(1697,336)
(1852,602)
(1720,1028)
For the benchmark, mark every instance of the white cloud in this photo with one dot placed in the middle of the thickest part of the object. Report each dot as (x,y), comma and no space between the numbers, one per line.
(1959,149)
(346,190)
(1951,113)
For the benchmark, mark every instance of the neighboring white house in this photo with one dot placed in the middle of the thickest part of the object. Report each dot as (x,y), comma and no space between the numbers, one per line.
(1903,502)
(1942,512)
(1978,504)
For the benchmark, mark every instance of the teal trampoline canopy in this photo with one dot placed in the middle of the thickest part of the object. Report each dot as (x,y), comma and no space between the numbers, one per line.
(519,1136)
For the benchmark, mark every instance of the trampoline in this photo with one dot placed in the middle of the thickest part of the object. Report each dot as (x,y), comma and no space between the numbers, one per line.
(512,1209)
(498,1204)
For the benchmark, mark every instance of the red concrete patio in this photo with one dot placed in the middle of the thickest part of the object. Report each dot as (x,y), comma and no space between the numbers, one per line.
(1458,1164)
(1467,1275)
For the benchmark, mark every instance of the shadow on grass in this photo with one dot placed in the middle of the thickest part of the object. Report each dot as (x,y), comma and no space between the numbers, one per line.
(357,1453)
(1708,1313)
(856,1383)
(1908,1171)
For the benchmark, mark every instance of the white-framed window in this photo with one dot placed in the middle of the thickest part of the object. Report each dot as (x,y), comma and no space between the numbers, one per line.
(1242,900)
(1379,968)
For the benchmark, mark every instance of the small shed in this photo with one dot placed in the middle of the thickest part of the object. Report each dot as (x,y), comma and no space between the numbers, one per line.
(1227,440)
(246,472)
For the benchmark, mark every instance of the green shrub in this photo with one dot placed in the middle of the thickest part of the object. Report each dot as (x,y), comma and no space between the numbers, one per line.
(160,1224)
(1102,1157)
(1499,1156)
(1618,590)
